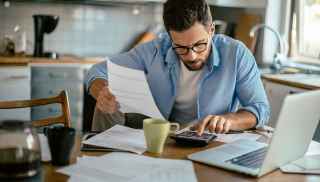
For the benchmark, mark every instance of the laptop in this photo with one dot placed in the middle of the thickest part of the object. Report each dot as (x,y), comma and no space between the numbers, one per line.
(296,125)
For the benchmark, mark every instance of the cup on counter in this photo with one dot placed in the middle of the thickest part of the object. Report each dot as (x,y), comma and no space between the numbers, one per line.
(61,141)
(156,132)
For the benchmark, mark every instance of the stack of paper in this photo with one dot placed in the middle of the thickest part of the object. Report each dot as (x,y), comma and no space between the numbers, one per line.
(124,167)
(121,138)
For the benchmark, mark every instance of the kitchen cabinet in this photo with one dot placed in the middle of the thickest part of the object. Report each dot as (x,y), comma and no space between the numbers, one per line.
(15,85)
(276,93)
(48,80)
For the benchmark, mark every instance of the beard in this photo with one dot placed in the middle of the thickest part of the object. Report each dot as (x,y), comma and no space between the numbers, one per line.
(195,65)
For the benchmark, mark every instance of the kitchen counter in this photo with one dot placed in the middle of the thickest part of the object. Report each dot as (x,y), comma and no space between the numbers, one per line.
(24,60)
(304,81)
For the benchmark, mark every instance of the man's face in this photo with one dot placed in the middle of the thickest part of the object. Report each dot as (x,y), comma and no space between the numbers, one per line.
(193,45)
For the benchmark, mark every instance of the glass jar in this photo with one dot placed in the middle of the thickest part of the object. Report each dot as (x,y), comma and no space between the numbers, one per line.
(19,149)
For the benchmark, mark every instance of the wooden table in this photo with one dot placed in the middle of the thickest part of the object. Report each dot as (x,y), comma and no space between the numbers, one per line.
(203,172)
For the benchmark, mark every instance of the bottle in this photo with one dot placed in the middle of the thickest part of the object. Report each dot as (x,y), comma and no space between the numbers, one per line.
(20,40)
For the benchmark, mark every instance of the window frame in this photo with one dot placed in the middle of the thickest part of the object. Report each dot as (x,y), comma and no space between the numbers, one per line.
(298,52)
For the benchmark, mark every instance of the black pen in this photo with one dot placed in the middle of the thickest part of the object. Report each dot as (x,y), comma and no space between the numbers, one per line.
(234,132)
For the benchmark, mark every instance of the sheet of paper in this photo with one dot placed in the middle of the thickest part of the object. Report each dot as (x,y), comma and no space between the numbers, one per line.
(313,148)
(309,164)
(120,137)
(228,138)
(44,146)
(132,90)
(126,167)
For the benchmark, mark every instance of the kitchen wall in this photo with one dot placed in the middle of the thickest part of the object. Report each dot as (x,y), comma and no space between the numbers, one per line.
(84,30)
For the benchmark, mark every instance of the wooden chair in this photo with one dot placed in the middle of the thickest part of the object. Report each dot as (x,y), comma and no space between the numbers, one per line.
(62,98)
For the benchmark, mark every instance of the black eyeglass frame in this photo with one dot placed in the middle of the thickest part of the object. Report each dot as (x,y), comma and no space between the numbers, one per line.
(197,48)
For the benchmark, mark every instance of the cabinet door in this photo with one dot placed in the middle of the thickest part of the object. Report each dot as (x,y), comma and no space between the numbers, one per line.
(15,85)
(49,80)
(276,94)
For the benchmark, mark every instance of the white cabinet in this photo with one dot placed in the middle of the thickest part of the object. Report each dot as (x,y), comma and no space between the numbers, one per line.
(15,85)
(276,93)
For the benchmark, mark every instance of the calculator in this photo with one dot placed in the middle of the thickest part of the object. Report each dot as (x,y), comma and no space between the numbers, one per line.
(191,138)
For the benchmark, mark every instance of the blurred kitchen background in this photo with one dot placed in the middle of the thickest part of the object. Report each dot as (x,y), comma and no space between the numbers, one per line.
(89,30)
(82,30)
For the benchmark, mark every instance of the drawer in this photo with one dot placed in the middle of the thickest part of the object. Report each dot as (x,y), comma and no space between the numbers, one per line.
(14,83)
(15,114)
(57,73)
(14,72)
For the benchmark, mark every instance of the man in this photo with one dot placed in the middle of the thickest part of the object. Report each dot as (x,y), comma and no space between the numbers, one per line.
(193,74)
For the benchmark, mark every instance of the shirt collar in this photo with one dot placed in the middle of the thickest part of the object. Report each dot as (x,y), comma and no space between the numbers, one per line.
(214,57)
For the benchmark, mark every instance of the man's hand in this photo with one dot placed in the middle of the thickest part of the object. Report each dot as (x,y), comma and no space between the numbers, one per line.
(106,102)
(214,123)
(240,120)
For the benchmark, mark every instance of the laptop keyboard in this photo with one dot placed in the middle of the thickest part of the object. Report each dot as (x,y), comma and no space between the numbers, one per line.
(252,159)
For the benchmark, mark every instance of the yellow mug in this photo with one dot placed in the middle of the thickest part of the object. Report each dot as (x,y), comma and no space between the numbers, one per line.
(156,132)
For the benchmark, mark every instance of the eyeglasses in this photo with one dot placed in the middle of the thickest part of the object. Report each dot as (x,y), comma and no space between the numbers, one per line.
(197,48)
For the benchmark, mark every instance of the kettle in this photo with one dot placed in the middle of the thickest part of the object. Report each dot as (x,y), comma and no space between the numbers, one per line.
(19,150)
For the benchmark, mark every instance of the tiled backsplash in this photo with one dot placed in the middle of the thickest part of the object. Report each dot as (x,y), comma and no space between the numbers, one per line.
(84,30)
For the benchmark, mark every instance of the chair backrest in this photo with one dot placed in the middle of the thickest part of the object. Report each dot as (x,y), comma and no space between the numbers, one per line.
(62,99)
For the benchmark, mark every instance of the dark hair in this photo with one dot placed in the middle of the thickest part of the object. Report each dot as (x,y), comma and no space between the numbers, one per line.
(179,15)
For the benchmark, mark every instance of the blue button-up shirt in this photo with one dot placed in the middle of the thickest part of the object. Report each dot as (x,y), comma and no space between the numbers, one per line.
(230,78)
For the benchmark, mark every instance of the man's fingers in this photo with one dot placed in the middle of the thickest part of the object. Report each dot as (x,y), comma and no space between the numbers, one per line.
(213,124)
(226,127)
(203,125)
(107,106)
(219,126)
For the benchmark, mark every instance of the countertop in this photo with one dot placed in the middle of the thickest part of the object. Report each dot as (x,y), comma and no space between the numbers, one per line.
(25,60)
(299,80)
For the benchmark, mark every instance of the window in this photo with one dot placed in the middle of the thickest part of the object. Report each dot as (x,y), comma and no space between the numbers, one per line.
(305,29)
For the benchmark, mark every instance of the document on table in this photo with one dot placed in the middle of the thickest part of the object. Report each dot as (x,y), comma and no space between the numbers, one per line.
(126,167)
(120,137)
(132,91)
(229,138)
(308,164)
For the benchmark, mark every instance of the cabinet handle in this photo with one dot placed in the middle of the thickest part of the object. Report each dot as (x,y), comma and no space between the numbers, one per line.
(52,110)
(52,92)
(293,92)
(52,75)
(15,77)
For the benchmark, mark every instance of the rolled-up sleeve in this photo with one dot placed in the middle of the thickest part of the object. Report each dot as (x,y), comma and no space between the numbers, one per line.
(249,87)
(98,70)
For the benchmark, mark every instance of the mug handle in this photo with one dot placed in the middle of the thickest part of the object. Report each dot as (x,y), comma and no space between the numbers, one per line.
(177,127)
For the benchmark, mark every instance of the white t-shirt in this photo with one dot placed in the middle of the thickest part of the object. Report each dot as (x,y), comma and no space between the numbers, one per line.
(185,106)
